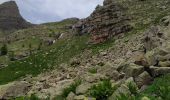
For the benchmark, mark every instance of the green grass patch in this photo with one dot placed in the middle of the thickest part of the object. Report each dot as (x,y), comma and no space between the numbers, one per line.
(46,59)
(102,90)
(159,90)
(66,91)
(32,97)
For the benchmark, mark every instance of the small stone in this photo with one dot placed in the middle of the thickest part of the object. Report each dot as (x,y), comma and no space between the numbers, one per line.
(103,53)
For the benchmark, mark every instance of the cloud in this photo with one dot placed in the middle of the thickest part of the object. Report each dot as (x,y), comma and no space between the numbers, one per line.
(40,11)
(1,1)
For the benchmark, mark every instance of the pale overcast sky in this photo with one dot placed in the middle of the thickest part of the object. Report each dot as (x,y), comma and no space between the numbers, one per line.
(40,11)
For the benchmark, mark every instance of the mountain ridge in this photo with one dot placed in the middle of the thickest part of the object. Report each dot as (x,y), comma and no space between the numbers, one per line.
(10,18)
(59,64)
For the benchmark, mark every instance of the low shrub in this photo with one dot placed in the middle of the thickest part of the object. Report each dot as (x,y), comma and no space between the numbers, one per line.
(133,88)
(66,91)
(102,90)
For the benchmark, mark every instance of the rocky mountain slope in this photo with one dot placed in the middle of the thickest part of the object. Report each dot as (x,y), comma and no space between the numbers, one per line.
(127,59)
(10,18)
(106,21)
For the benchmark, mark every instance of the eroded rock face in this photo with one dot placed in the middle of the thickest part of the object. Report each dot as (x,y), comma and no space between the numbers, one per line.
(153,38)
(106,21)
(10,18)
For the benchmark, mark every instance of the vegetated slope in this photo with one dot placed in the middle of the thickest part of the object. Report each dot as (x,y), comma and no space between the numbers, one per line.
(119,62)
(10,18)
(24,41)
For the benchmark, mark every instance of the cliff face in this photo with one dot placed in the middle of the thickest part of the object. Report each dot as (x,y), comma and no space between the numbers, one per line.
(106,21)
(10,18)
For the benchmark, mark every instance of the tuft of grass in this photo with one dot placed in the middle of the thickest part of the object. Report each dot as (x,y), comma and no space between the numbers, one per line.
(66,91)
(102,90)
(160,88)
(32,97)
(71,88)
(133,88)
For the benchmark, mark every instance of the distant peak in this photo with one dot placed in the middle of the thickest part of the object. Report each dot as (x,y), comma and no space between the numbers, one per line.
(11,21)
(9,2)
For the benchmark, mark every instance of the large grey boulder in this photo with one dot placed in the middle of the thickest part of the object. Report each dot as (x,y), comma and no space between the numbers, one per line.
(13,90)
(157,71)
(164,63)
(133,70)
(143,79)
(110,71)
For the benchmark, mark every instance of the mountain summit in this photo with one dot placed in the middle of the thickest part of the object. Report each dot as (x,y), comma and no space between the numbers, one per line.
(10,18)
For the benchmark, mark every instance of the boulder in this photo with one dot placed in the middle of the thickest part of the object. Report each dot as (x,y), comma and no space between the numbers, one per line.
(107,66)
(157,71)
(165,20)
(143,79)
(110,71)
(122,89)
(92,78)
(114,74)
(13,90)
(145,98)
(162,51)
(152,39)
(129,80)
(83,88)
(139,59)
(150,58)
(133,70)
(164,63)
(163,57)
